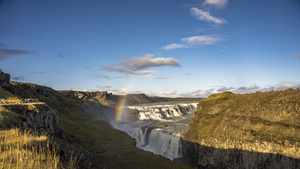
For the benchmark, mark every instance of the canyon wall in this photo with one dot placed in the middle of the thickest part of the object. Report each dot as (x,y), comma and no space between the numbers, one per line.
(260,130)
(39,117)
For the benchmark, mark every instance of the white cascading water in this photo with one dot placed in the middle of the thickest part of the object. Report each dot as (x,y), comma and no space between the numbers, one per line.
(159,126)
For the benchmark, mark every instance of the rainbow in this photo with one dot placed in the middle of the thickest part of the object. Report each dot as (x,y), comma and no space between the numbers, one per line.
(120,105)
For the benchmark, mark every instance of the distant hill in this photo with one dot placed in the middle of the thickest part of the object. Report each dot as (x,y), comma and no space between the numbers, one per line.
(227,127)
(109,99)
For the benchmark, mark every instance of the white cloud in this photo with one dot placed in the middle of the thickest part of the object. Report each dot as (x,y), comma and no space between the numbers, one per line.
(287,85)
(170,93)
(223,89)
(121,91)
(134,65)
(158,77)
(297,55)
(201,40)
(205,16)
(193,41)
(206,93)
(217,3)
(174,46)
(253,86)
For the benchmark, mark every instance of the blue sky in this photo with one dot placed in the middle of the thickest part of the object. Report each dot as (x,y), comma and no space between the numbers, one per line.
(174,48)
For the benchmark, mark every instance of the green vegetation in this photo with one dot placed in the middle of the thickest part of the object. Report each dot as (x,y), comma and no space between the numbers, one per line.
(8,97)
(8,119)
(111,148)
(271,116)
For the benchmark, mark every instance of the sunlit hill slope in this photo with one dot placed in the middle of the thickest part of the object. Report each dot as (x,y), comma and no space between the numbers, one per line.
(247,130)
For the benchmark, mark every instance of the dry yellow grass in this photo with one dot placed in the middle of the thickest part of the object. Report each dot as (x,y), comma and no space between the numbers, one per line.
(24,150)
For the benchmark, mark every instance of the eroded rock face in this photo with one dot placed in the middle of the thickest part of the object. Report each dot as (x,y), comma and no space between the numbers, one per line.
(4,81)
(103,98)
(234,154)
(41,118)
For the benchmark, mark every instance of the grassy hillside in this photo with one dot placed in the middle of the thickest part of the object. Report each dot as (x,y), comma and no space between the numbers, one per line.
(109,148)
(8,97)
(23,149)
(8,119)
(271,117)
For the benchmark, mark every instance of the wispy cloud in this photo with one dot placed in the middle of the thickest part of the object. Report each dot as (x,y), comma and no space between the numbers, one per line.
(60,55)
(3,45)
(201,40)
(99,76)
(205,16)
(297,55)
(37,72)
(103,87)
(105,77)
(6,53)
(174,46)
(288,85)
(217,89)
(187,74)
(239,90)
(158,77)
(19,78)
(194,41)
(170,93)
(217,3)
(135,65)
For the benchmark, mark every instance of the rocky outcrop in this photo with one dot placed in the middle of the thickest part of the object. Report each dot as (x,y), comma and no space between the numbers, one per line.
(239,154)
(4,81)
(260,130)
(39,117)
(103,98)
(32,89)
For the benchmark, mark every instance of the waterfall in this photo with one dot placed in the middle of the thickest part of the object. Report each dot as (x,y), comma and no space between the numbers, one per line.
(163,139)
(160,112)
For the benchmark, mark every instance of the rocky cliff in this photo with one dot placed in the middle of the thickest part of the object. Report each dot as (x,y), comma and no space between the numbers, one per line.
(103,98)
(29,89)
(4,81)
(39,117)
(260,130)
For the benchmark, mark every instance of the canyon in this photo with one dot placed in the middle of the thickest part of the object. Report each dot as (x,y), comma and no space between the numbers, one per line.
(225,130)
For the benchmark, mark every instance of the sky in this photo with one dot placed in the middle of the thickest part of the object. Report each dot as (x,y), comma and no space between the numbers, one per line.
(173,48)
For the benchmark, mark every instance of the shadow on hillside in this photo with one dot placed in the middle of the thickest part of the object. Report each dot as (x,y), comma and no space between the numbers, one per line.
(205,157)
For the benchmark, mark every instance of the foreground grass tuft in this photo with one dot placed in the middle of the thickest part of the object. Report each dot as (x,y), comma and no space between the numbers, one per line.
(24,150)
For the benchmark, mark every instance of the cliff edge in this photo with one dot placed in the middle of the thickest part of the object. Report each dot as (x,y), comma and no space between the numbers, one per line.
(4,81)
(260,130)
(39,117)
